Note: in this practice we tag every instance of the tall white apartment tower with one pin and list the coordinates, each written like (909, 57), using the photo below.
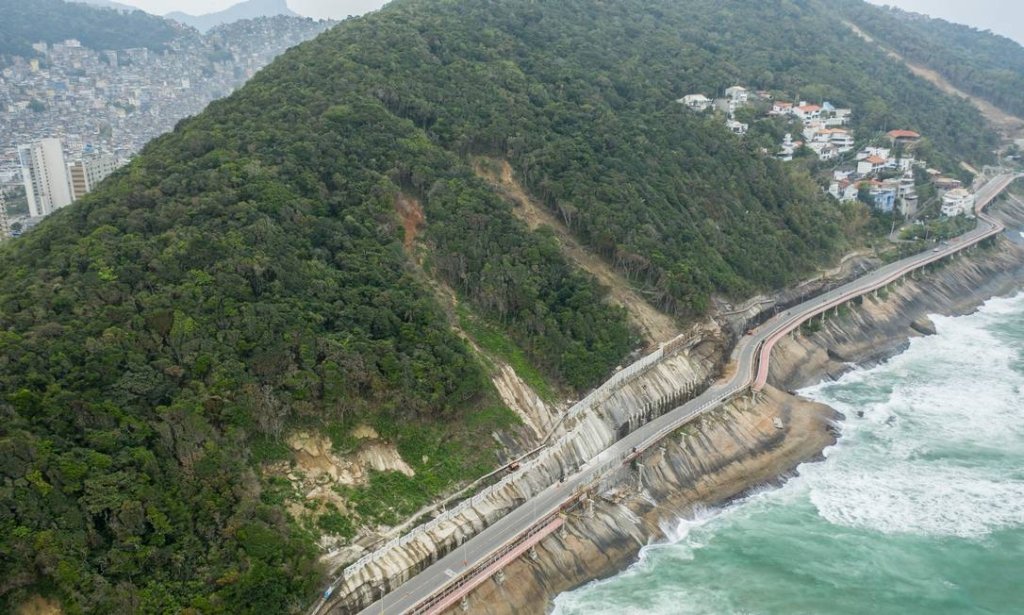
(46, 176)
(5, 224)
(86, 173)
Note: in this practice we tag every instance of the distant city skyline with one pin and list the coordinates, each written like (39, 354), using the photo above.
(1004, 17)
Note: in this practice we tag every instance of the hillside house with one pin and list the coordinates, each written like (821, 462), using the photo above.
(695, 102)
(789, 147)
(738, 93)
(958, 201)
(903, 137)
(737, 128)
(844, 190)
(946, 183)
(839, 117)
(872, 164)
(825, 150)
(807, 112)
(883, 197)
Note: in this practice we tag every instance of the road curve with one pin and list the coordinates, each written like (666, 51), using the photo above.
(751, 357)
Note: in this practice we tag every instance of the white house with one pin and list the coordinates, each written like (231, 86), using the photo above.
(838, 117)
(696, 102)
(871, 164)
(825, 150)
(781, 108)
(738, 128)
(905, 164)
(842, 139)
(789, 147)
(881, 152)
(807, 112)
(844, 190)
(958, 201)
(738, 93)
(907, 194)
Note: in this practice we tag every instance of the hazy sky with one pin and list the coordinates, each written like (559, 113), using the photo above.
(310, 8)
(1004, 17)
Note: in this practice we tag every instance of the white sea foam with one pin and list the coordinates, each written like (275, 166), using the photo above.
(932, 446)
(910, 464)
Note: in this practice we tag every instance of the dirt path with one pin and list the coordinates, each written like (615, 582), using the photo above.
(1010, 126)
(656, 326)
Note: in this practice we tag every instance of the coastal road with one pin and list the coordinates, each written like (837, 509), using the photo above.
(750, 358)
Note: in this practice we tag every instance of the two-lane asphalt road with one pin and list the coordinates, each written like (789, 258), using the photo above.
(750, 358)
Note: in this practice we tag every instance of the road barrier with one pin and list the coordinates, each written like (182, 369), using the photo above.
(639, 367)
(598, 395)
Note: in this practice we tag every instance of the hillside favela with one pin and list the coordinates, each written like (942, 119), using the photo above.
(568, 307)
(101, 105)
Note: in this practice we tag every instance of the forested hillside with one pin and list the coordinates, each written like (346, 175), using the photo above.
(980, 63)
(248, 275)
(23, 23)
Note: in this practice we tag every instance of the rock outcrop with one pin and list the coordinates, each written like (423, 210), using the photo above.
(746, 444)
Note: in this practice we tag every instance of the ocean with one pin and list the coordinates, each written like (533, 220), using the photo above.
(919, 508)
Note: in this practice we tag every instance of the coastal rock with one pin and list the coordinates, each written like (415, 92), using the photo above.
(711, 461)
(723, 455)
(924, 326)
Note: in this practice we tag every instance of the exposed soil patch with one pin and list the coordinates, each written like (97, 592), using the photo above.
(410, 211)
(37, 605)
(316, 469)
(656, 326)
(1010, 126)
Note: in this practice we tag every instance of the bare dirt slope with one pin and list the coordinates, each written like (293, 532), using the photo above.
(1010, 126)
(655, 325)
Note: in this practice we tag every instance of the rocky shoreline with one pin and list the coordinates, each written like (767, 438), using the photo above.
(748, 443)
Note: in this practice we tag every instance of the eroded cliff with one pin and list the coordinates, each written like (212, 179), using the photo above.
(749, 443)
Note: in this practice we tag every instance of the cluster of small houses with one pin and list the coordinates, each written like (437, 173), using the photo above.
(888, 179)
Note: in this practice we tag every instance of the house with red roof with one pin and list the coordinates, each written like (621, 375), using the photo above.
(903, 137)
(807, 112)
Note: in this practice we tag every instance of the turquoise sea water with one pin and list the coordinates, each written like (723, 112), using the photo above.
(918, 509)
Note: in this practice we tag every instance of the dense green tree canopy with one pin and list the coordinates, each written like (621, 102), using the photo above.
(980, 63)
(248, 274)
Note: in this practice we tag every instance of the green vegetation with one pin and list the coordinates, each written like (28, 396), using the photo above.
(246, 275)
(939, 229)
(96, 28)
(492, 340)
(336, 523)
(980, 63)
(438, 455)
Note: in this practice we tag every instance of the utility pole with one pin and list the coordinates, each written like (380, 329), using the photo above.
(5, 223)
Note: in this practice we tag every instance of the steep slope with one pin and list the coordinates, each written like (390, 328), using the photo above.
(246, 278)
(980, 63)
(250, 9)
(96, 28)
(1009, 126)
(109, 4)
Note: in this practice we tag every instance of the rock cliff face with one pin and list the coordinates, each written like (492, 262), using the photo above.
(576, 441)
(746, 443)
(710, 461)
(882, 326)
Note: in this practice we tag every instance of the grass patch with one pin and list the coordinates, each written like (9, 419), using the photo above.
(812, 326)
(493, 417)
(492, 340)
(938, 229)
(335, 523)
(268, 450)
